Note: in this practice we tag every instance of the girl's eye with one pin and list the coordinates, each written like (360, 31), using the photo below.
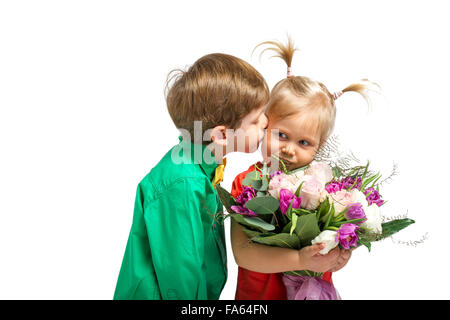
(304, 142)
(282, 135)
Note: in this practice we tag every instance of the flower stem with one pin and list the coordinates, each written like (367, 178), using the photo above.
(330, 215)
(338, 223)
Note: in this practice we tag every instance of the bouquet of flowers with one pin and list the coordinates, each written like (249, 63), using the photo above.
(313, 204)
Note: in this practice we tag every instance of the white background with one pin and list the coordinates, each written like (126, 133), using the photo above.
(83, 120)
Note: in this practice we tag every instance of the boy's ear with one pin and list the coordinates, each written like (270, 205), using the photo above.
(219, 135)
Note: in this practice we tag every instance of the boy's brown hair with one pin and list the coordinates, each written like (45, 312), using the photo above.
(218, 89)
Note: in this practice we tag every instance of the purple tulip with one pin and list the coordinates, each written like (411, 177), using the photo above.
(273, 174)
(286, 197)
(355, 211)
(374, 197)
(247, 194)
(333, 187)
(244, 211)
(346, 235)
(349, 181)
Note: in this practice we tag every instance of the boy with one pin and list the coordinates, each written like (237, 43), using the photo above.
(176, 247)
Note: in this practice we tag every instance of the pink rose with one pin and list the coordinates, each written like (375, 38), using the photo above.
(341, 199)
(312, 192)
(320, 170)
(281, 181)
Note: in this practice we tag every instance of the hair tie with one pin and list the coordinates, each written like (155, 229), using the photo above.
(289, 72)
(337, 94)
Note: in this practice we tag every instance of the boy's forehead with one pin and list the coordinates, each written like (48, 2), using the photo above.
(255, 112)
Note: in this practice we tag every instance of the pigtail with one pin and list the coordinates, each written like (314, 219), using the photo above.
(282, 51)
(363, 87)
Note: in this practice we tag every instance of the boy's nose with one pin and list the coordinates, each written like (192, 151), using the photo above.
(265, 121)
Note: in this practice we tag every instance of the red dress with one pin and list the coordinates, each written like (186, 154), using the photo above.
(253, 285)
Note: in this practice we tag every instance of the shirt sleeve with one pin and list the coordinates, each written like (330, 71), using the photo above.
(136, 278)
(176, 236)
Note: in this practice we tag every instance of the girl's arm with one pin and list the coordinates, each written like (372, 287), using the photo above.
(266, 259)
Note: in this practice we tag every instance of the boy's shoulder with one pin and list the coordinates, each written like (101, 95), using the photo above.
(169, 172)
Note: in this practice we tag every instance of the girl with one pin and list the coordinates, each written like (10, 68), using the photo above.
(301, 113)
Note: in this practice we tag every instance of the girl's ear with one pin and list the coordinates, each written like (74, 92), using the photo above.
(219, 135)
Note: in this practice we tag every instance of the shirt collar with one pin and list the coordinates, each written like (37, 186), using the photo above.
(201, 155)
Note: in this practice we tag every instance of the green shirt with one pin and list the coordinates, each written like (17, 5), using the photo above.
(176, 247)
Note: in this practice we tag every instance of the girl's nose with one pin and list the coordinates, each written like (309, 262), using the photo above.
(287, 150)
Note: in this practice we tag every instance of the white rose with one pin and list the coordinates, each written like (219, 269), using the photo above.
(359, 197)
(374, 220)
(320, 170)
(328, 238)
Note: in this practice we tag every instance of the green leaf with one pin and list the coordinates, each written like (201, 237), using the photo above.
(374, 183)
(289, 211)
(362, 178)
(365, 170)
(287, 227)
(307, 273)
(330, 216)
(298, 169)
(264, 185)
(364, 242)
(368, 180)
(265, 170)
(259, 223)
(307, 229)
(339, 223)
(262, 205)
(294, 223)
(283, 240)
(253, 222)
(255, 184)
(355, 171)
(337, 173)
(253, 179)
(297, 192)
(226, 198)
(388, 229)
(394, 226)
(251, 233)
(301, 211)
(323, 208)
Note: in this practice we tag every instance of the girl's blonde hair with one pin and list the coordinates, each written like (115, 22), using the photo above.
(302, 95)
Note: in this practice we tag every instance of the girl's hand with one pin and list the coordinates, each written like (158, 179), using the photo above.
(342, 260)
(311, 259)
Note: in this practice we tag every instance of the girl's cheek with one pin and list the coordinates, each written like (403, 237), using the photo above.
(274, 145)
